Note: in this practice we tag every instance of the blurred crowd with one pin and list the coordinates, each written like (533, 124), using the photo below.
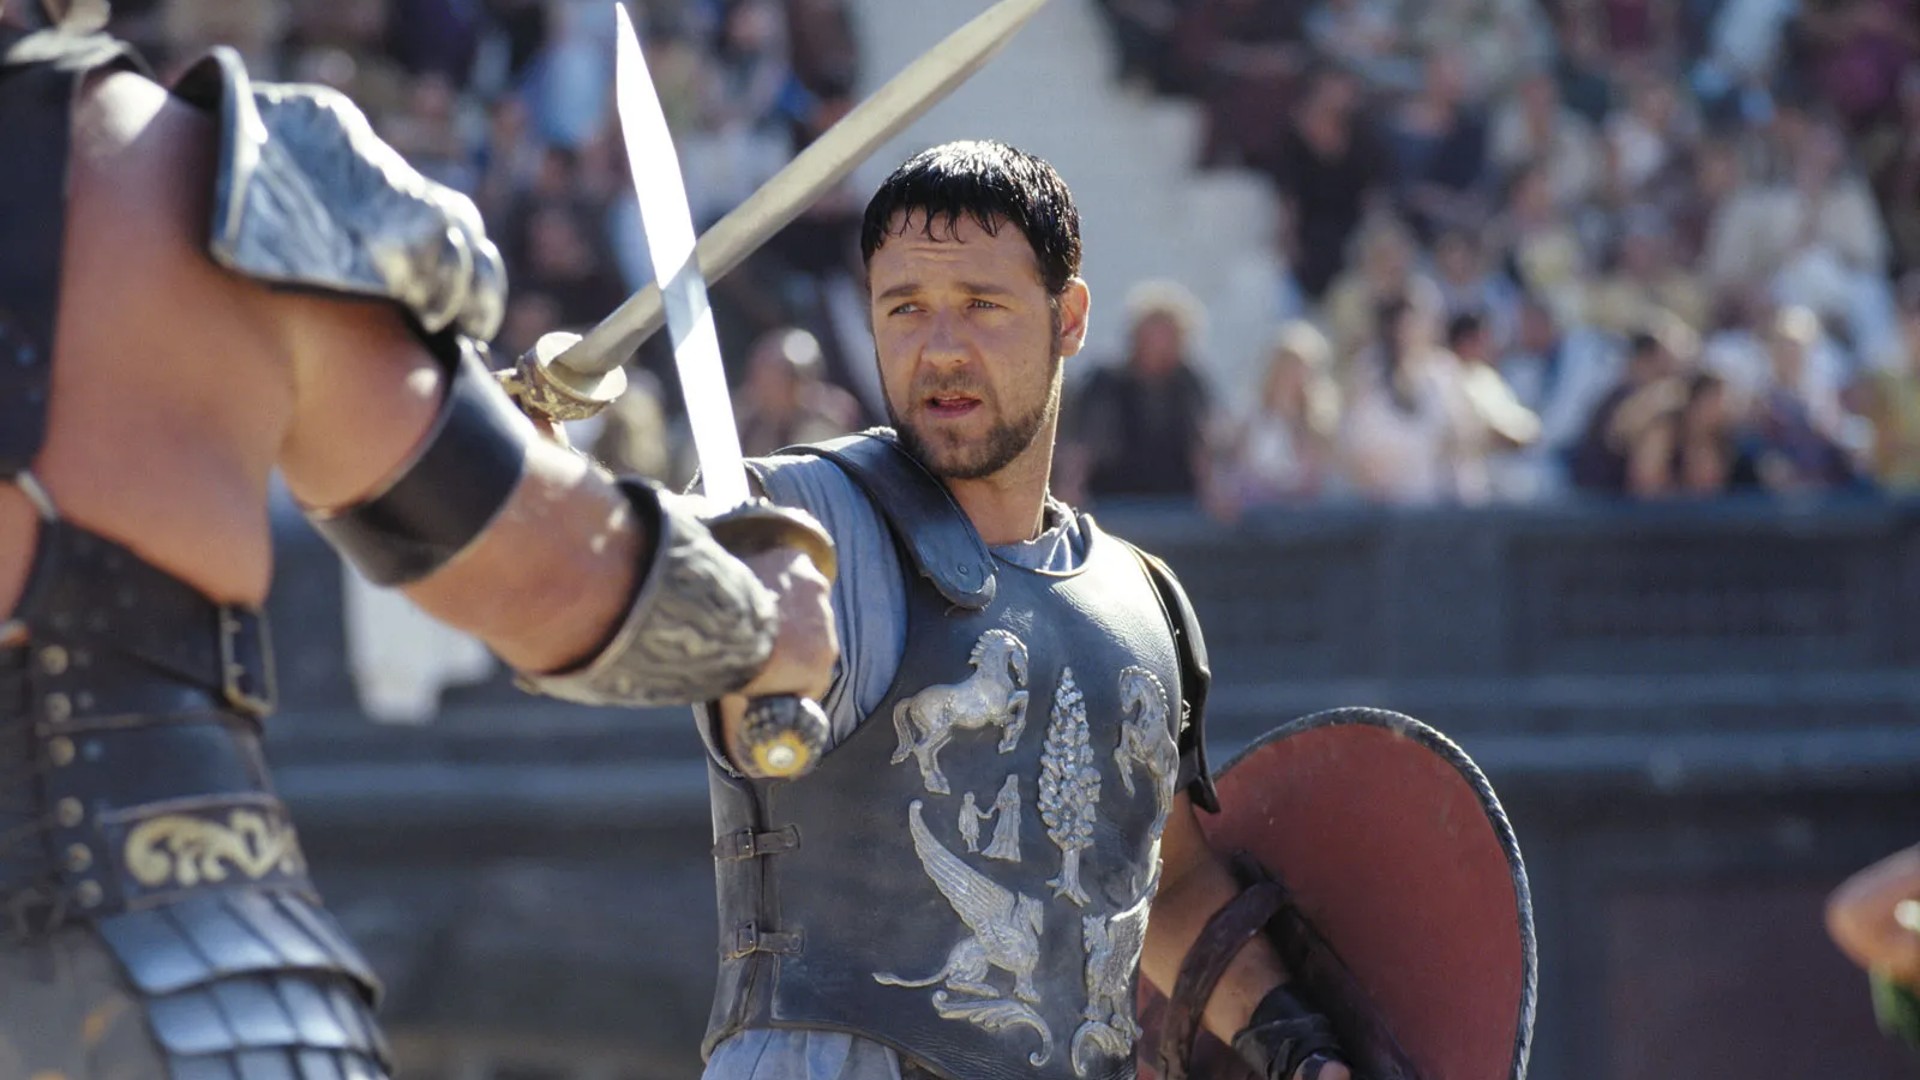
(1631, 248)
(510, 101)
(1536, 249)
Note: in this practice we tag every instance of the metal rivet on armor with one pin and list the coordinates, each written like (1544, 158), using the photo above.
(70, 812)
(53, 660)
(89, 894)
(85, 700)
(97, 622)
(26, 354)
(125, 598)
(59, 707)
(60, 751)
(92, 750)
(79, 858)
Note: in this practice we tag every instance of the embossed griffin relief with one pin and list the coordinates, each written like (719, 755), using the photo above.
(995, 694)
(1006, 930)
(1069, 786)
(1144, 738)
(182, 851)
(1113, 945)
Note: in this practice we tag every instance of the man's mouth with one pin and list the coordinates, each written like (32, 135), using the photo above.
(949, 406)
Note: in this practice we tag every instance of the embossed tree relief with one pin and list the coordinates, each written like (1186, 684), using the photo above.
(1069, 786)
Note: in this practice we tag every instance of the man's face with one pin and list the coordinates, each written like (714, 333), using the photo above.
(969, 346)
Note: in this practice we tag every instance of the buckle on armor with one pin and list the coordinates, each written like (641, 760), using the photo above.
(748, 939)
(745, 844)
(246, 662)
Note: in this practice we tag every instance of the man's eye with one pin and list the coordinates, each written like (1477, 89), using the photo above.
(905, 309)
(985, 304)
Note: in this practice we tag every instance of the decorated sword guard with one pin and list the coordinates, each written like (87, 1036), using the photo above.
(555, 393)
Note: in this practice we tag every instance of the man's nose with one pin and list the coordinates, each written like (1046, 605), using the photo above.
(946, 345)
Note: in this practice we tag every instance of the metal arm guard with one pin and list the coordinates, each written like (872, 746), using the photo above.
(456, 484)
(701, 625)
(307, 196)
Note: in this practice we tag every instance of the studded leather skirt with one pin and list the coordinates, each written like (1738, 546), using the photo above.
(136, 806)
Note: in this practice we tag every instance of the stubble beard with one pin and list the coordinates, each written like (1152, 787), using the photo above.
(1004, 442)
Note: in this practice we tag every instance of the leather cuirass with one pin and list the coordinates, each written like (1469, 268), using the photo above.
(967, 876)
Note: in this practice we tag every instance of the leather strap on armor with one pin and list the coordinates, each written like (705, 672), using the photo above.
(700, 626)
(459, 479)
(1238, 922)
(930, 526)
(1196, 676)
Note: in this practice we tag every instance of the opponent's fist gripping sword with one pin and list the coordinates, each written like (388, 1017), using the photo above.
(568, 377)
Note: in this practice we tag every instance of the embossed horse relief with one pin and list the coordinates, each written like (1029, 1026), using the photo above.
(995, 694)
(1005, 935)
(1145, 739)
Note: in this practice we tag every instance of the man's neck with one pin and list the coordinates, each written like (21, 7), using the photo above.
(1008, 507)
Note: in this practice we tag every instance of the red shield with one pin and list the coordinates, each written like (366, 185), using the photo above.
(1395, 849)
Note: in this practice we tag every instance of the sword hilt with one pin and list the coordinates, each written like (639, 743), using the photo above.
(781, 736)
(553, 392)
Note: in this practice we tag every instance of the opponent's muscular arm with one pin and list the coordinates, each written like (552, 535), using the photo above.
(1194, 884)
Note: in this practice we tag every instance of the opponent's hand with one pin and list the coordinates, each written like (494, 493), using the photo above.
(806, 647)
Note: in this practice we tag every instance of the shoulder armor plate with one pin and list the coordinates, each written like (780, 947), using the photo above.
(308, 196)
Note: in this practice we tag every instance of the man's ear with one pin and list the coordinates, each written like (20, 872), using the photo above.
(1076, 308)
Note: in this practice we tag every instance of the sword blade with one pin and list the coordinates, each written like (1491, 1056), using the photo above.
(815, 170)
(669, 228)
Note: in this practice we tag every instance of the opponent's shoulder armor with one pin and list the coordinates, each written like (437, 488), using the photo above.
(308, 196)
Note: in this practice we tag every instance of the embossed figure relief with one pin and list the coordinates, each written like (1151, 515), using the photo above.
(994, 694)
(1113, 945)
(1006, 827)
(1144, 738)
(1005, 930)
(1069, 786)
(970, 818)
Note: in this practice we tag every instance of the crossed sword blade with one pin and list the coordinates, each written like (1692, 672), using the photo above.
(567, 377)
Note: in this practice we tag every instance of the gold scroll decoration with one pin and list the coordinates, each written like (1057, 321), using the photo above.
(181, 851)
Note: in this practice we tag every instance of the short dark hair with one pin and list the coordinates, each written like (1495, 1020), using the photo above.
(1462, 326)
(993, 184)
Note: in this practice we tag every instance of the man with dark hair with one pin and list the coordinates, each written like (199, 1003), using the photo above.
(997, 644)
(200, 285)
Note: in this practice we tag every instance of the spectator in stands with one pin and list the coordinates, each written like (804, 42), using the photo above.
(1860, 49)
(1540, 247)
(1140, 428)
(1240, 58)
(563, 261)
(1561, 372)
(1496, 40)
(1800, 446)
(1282, 451)
(428, 134)
(1329, 169)
(1690, 448)
(1648, 389)
(1409, 437)
(1500, 425)
(785, 398)
(1644, 281)
(1532, 129)
(1892, 403)
(1580, 65)
(1820, 229)
(1363, 36)
(1439, 143)
(1385, 268)
(1651, 133)
(1891, 154)
(1468, 285)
